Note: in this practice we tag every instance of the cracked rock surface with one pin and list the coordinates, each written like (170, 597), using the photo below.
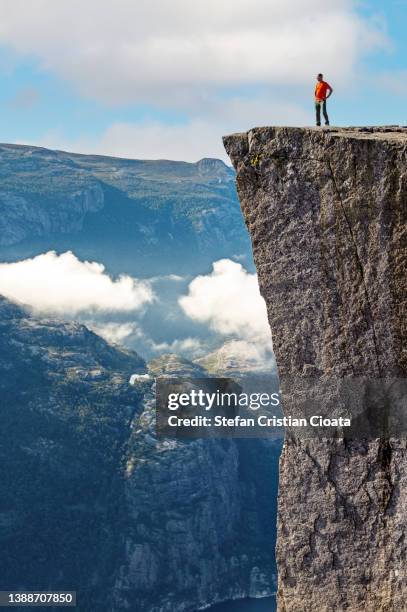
(326, 211)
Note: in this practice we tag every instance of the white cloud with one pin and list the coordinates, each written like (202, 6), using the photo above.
(135, 377)
(112, 331)
(229, 301)
(199, 136)
(190, 141)
(171, 52)
(176, 278)
(64, 284)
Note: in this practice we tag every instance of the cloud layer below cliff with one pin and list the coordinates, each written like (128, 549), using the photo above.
(64, 284)
(223, 305)
(229, 301)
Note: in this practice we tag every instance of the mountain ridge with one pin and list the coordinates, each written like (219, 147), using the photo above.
(117, 210)
(39, 148)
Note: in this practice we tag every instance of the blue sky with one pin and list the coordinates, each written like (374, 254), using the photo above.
(140, 80)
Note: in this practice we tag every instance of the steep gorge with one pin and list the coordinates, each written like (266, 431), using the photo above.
(92, 501)
(326, 211)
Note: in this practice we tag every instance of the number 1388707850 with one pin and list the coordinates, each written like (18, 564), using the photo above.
(37, 598)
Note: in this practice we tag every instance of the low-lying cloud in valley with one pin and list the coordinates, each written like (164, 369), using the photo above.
(113, 332)
(222, 306)
(63, 284)
(229, 301)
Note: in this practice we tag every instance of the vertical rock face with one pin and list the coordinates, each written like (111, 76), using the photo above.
(326, 211)
(197, 511)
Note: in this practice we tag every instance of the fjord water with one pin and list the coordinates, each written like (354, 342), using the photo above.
(268, 604)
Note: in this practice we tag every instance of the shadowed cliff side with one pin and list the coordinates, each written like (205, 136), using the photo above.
(92, 500)
(326, 211)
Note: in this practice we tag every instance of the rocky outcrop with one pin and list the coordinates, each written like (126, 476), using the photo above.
(326, 211)
(171, 364)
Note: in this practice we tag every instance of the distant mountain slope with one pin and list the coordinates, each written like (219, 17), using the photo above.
(135, 216)
(65, 410)
(92, 501)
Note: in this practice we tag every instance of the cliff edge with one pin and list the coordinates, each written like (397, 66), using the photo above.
(326, 211)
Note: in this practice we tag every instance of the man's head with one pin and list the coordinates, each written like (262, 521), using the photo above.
(320, 77)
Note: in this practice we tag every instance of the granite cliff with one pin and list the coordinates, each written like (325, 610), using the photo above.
(326, 211)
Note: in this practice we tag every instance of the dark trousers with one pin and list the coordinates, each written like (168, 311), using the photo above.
(318, 105)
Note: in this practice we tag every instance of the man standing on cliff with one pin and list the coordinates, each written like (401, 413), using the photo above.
(322, 92)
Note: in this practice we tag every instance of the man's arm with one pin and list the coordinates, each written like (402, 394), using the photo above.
(330, 90)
